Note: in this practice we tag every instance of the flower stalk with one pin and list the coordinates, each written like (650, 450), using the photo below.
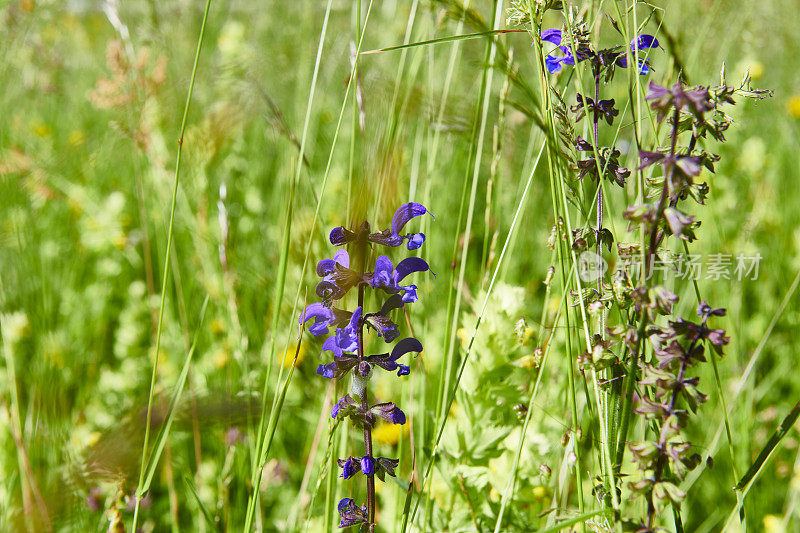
(347, 343)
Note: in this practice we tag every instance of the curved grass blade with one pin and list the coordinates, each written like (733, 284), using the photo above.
(752, 473)
(580, 519)
(440, 40)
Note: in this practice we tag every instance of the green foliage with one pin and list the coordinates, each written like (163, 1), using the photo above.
(91, 109)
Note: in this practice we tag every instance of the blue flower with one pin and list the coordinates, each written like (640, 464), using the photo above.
(389, 361)
(337, 277)
(324, 317)
(554, 63)
(345, 339)
(388, 237)
(327, 370)
(367, 465)
(641, 42)
(389, 412)
(350, 513)
(552, 35)
(388, 278)
(350, 467)
(346, 403)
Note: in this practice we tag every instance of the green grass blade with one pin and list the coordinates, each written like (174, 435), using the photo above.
(440, 40)
(580, 519)
(753, 472)
(159, 329)
(163, 434)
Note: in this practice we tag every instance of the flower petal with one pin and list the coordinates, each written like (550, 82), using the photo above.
(409, 344)
(344, 503)
(326, 267)
(382, 277)
(415, 240)
(409, 265)
(644, 41)
(342, 257)
(327, 371)
(340, 236)
(322, 316)
(405, 213)
(552, 35)
(367, 465)
(552, 63)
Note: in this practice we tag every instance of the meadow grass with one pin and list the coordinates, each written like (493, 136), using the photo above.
(155, 257)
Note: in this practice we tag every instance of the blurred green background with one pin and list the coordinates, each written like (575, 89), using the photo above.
(92, 99)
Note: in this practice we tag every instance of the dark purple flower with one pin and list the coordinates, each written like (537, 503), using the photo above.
(704, 309)
(644, 41)
(344, 404)
(644, 64)
(388, 237)
(340, 366)
(337, 277)
(641, 42)
(350, 467)
(389, 412)
(368, 465)
(389, 361)
(388, 278)
(345, 339)
(697, 101)
(385, 466)
(324, 317)
(351, 514)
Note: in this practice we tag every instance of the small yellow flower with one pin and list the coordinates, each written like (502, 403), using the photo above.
(76, 138)
(221, 358)
(288, 356)
(772, 524)
(756, 69)
(541, 493)
(389, 433)
(217, 326)
(40, 129)
(793, 106)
